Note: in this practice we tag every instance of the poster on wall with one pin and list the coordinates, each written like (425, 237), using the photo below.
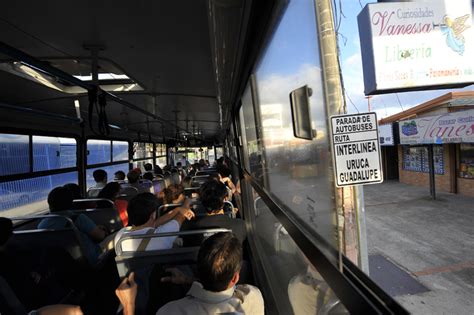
(457, 127)
(416, 45)
(386, 135)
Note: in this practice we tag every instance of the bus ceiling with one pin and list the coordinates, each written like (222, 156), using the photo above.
(172, 69)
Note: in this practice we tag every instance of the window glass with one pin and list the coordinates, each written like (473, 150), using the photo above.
(416, 159)
(295, 170)
(160, 154)
(110, 172)
(119, 151)
(98, 151)
(466, 160)
(142, 150)
(219, 152)
(14, 158)
(28, 196)
(211, 156)
(301, 288)
(141, 164)
(51, 153)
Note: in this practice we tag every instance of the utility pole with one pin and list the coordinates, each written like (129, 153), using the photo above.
(368, 97)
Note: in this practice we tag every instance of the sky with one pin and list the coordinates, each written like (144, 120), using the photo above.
(351, 64)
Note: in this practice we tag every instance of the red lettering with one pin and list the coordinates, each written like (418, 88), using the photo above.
(471, 131)
(392, 29)
(378, 17)
(432, 131)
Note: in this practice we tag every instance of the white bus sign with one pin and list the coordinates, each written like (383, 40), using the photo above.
(356, 149)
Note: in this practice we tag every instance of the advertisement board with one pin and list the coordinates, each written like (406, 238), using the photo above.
(457, 127)
(416, 45)
(386, 135)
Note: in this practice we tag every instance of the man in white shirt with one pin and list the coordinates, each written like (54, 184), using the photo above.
(100, 177)
(143, 219)
(217, 292)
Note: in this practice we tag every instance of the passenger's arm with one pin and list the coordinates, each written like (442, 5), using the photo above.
(126, 293)
(96, 232)
(60, 309)
(179, 214)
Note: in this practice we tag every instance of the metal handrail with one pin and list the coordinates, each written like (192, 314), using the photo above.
(118, 247)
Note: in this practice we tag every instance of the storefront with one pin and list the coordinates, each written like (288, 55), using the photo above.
(447, 125)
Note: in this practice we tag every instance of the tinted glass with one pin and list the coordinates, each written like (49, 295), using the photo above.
(98, 151)
(142, 150)
(14, 157)
(301, 288)
(119, 151)
(110, 172)
(28, 196)
(295, 170)
(51, 153)
(466, 160)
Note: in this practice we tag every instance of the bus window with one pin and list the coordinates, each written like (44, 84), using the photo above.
(302, 289)
(28, 196)
(296, 170)
(111, 169)
(53, 153)
(98, 151)
(119, 151)
(14, 154)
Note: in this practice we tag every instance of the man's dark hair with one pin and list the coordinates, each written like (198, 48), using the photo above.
(173, 192)
(141, 207)
(179, 164)
(212, 195)
(148, 167)
(133, 177)
(148, 176)
(219, 258)
(120, 175)
(6, 230)
(75, 190)
(158, 170)
(60, 199)
(223, 170)
(99, 175)
(109, 191)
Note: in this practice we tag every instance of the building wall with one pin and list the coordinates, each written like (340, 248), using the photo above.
(443, 182)
(466, 186)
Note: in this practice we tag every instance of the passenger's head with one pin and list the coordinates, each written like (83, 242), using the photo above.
(223, 170)
(60, 199)
(119, 175)
(138, 170)
(219, 261)
(158, 170)
(110, 191)
(202, 163)
(148, 176)
(133, 177)
(220, 161)
(212, 195)
(100, 176)
(75, 190)
(174, 194)
(6, 230)
(142, 209)
(179, 164)
(148, 167)
(187, 181)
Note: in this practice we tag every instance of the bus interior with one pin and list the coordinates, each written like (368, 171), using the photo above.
(116, 85)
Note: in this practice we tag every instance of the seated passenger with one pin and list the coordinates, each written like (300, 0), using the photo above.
(224, 176)
(218, 267)
(100, 177)
(75, 190)
(142, 216)
(212, 196)
(111, 191)
(60, 202)
(133, 181)
(119, 176)
(148, 176)
(187, 182)
(174, 194)
(157, 170)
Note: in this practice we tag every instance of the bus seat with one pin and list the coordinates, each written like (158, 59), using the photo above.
(79, 204)
(68, 238)
(206, 172)
(108, 217)
(145, 183)
(191, 192)
(9, 303)
(128, 192)
(197, 181)
(229, 209)
(158, 185)
(128, 261)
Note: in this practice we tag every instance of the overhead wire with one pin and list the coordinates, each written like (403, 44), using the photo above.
(399, 103)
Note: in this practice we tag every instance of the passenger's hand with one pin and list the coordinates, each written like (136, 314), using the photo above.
(176, 276)
(187, 203)
(187, 213)
(60, 309)
(126, 293)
